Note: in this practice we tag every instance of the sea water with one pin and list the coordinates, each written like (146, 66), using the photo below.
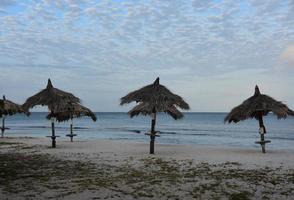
(194, 128)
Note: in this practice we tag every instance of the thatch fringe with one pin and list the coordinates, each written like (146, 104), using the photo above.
(155, 97)
(252, 106)
(52, 97)
(73, 110)
(10, 108)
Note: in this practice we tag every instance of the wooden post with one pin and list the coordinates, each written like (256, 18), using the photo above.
(3, 127)
(152, 134)
(3, 120)
(53, 133)
(71, 130)
(262, 132)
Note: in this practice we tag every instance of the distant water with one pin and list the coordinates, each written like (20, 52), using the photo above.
(194, 128)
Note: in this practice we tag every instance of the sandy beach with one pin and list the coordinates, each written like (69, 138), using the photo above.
(147, 100)
(105, 169)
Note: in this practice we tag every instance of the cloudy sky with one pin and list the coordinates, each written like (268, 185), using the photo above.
(211, 52)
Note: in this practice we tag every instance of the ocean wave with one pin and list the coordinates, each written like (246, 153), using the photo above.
(212, 130)
(280, 138)
(135, 131)
(45, 127)
(81, 128)
(240, 133)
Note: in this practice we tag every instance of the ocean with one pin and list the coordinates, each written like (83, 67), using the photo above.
(194, 128)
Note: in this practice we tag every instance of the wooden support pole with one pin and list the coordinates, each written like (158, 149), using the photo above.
(71, 130)
(262, 132)
(53, 134)
(3, 121)
(152, 134)
(3, 127)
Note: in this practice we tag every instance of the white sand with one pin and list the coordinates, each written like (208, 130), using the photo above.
(250, 157)
(122, 153)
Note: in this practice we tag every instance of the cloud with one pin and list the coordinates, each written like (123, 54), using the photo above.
(105, 43)
(287, 56)
(6, 3)
(202, 5)
(2, 11)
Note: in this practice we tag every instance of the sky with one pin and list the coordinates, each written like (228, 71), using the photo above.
(210, 52)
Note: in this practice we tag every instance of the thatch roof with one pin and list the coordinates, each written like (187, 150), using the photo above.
(9, 108)
(155, 97)
(72, 110)
(252, 107)
(52, 97)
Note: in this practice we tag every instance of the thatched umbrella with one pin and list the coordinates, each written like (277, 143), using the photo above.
(8, 108)
(72, 110)
(152, 99)
(54, 99)
(256, 107)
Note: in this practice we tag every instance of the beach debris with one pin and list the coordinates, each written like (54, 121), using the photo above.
(70, 111)
(56, 100)
(257, 106)
(9, 108)
(152, 99)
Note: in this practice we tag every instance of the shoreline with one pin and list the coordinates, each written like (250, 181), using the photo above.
(199, 153)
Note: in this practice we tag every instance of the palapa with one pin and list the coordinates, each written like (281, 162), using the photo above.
(51, 97)
(152, 99)
(72, 110)
(9, 108)
(256, 107)
(56, 100)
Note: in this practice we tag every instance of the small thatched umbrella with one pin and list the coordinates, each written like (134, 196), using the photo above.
(152, 99)
(72, 110)
(54, 99)
(8, 108)
(256, 107)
